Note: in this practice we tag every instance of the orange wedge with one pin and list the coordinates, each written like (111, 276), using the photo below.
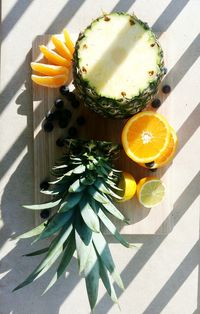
(145, 136)
(50, 81)
(61, 48)
(54, 57)
(49, 69)
(68, 41)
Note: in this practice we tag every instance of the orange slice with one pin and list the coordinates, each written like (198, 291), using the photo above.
(50, 81)
(168, 153)
(68, 41)
(54, 57)
(61, 48)
(49, 69)
(145, 136)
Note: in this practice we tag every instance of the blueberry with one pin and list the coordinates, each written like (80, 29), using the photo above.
(44, 185)
(149, 164)
(156, 103)
(63, 123)
(64, 90)
(60, 142)
(73, 100)
(164, 71)
(72, 132)
(153, 170)
(66, 114)
(166, 89)
(48, 126)
(57, 114)
(50, 116)
(59, 103)
(44, 214)
(80, 120)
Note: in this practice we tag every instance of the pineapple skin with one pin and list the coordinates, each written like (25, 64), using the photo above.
(108, 107)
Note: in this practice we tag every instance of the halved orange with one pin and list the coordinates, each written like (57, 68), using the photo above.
(68, 41)
(49, 69)
(50, 81)
(54, 57)
(145, 136)
(61, 47)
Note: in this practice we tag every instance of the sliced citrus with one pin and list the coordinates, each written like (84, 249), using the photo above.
(68, 41)
(54, 57)
(128, 187)
(61, 48)
(49, 69)
(50, 81)
(145, 136)
(150, 191)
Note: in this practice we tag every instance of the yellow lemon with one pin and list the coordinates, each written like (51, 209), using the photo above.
(128, 186)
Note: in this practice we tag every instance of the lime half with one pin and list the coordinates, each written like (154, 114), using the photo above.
(150, 192)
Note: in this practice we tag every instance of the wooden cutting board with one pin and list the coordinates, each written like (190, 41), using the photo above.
(142, 221)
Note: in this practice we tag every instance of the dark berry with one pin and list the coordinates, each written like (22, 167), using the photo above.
(57, 114)
(164, 71)
(149, 164)
(60, 142)
(71, 96)
(156, 103)
(73, 100)
(166, 89)
(44, 185)
(64, 90)
(44, 214)
(63, 123)
(72, 132)
(80, 120)
(59, 103)
(75, 103)
(66, 114)
(153, 170)
(50, 116)
(48, 126)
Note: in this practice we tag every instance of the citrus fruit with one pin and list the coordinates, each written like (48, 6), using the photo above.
(54, 57)
(50, 81)
(68, 41)
(128, 186)
(49, 69)
(145, 136)
(168, 153)
(150, 191)
(61, 47)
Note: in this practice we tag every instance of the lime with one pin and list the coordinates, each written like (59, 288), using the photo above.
(128, 186)
(150, 191)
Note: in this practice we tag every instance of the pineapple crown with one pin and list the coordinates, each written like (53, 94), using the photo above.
(83, 193)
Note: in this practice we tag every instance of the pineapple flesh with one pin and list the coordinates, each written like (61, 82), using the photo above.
(86, 184)
(118, 64)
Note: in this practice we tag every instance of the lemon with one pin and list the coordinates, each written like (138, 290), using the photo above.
(150, 191)
(128, 186)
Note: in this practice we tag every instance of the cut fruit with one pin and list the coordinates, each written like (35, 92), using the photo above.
(168, 153)
(54, 57)
(50, 81)
(69, 42)
(150, 191)
(128, 186)
(61, 48)
(49, 69)
(145, 136)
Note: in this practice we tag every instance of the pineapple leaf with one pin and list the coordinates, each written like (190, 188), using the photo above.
(80, 169)
(54, 251)
(89, 216)
(92, 277)
(110, 207)
(43, 206)
(66, 258)
(105, 277)
(33, 232)
(111, 227)
(76, 187)
(102, 188)
(38, 252)
(83, 236)
(70, 202)
(59, 220)
(106, 257)
(97, 196)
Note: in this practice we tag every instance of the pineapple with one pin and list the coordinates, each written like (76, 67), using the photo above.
(85, 186)
(118, 65)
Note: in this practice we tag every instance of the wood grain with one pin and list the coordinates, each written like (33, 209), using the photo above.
(142, 221)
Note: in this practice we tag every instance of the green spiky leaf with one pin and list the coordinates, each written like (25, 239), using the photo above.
(89, 216)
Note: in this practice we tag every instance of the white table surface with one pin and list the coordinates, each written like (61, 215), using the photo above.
(162, 274)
